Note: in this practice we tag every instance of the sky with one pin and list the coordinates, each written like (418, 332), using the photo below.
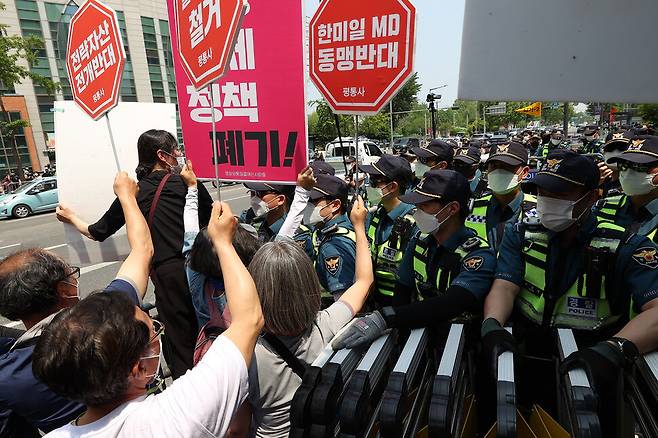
(438, 44)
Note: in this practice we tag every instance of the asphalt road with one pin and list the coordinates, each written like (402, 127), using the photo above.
(45, 231)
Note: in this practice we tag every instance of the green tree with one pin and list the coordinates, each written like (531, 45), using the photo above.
(649, 113)
(322, 124)
(15, 52)
(405, 99)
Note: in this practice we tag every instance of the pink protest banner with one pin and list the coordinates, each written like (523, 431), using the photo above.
(259, 105)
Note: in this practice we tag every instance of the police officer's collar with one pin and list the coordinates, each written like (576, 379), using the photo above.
(514, 205)
(458, 238)
(276, 226)
(340, 220)
(400, 210)
(652, 207)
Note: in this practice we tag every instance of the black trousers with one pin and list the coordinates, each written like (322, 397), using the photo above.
(176, 312)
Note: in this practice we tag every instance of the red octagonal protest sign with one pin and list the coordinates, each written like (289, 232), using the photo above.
(206, 36)
(95, 58)
(361, 52)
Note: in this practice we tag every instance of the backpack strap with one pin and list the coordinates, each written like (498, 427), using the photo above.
(156, 198)
(297, 366)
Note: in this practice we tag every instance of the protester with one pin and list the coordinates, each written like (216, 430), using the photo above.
(105, 351)
(294, 326)
(204, 276)
(161, 199)
(35, 286)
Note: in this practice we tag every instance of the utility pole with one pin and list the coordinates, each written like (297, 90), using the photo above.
(565, 119)
(390, 107)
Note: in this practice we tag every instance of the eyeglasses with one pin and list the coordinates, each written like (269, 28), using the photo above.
(75, 273)
(158, 329)
(644, 168)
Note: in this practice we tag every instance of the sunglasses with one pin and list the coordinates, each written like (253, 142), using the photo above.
(645, 168)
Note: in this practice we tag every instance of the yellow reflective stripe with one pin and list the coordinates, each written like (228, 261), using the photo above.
(480, 228)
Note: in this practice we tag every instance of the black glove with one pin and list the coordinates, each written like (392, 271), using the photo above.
(495, 341)
(601, 363)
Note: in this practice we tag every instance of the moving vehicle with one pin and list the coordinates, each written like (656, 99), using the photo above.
(34, 196)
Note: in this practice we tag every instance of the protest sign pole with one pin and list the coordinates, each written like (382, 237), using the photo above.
(114, 148)
(356, 143)
(214, 143)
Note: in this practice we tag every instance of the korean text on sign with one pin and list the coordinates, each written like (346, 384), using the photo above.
(92, 57)
(202, 19)
(346, 51)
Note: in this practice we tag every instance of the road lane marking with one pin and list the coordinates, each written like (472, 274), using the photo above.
(236, 198)
(88, 269)
(50, 248)
(10, 246)
(36, 216)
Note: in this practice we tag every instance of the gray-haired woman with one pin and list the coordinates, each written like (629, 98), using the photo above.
(289, 291)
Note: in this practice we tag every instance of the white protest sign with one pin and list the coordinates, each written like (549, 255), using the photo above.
(86, 167)
(559, 50)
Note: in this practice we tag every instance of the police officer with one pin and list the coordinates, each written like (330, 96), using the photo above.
(591, 140)
(637, 209)
(446, 268)
(322, 167)
(332, 241)
(269, 205)
(534, 144)
(615, 144)
(507, 166)
(467, 162)
(390, 224)
(570, 271)
(437, 155)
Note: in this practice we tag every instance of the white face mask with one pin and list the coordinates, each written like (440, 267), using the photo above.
(608, 155)
(636, 183)
(77, 291)
(589, 137)
(557, 214)
(375, 195)
(556, 141)
(428, 223)
(312, 214)
(159, 356)
(421, 169)
(484, 158)
(502, 181)
(260, 207)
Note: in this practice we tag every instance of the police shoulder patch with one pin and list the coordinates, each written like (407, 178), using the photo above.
(646, 256)
(473, 263)
(332, 264)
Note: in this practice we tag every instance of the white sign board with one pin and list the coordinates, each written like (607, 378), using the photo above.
(560, 50)
(86, 167)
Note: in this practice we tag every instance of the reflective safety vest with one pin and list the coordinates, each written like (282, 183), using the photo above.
(544, 151)
(609, 207)
(448, 265)
(318, 237)
(477, 220)
(586, 305)
(388, 255)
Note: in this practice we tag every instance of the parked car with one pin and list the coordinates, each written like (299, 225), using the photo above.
(34, 196)
(404, 144)
(369, 153)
